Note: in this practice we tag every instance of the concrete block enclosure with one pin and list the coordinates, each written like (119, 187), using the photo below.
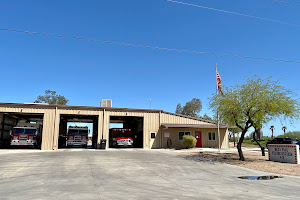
(151, 128)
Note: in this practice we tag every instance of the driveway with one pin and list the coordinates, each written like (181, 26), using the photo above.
(130, 174)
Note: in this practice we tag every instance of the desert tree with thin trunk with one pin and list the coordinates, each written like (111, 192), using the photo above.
(254, 103)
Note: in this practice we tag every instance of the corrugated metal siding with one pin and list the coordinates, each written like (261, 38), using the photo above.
(100, 127)
(79, 112)
(174, 119)
(105, 122)
(48, 130)
(223, 136)
(22, 110)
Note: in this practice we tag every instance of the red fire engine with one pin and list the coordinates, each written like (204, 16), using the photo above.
(77, 136)
(120, 137)
(26, 134)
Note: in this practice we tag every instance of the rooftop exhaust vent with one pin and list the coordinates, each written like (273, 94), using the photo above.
(106, 103)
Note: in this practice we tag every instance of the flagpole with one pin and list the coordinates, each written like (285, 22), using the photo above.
(217, 91)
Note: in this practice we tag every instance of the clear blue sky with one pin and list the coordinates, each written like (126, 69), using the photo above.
(86, 72)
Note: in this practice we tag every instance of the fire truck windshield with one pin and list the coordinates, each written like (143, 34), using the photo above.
(77, 132)
(24, 131)
(123, 135)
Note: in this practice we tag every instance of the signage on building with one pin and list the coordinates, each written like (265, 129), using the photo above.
(167, 134)
(288, 153)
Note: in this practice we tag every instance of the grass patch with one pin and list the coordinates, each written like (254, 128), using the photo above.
(253, 143)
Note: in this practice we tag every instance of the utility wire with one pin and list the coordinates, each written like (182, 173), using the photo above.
(150, 47)
(235, 13)
(286, 2)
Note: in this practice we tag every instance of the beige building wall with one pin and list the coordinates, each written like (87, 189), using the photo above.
(176, 143)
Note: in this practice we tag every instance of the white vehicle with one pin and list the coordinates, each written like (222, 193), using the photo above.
(26, 134)
(77, 136)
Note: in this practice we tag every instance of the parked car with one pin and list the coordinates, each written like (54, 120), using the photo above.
(297, 142)
(285, 140)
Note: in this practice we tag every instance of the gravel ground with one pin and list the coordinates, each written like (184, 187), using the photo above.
(252, 161)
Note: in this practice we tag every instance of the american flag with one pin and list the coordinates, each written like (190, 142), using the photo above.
(219, 83)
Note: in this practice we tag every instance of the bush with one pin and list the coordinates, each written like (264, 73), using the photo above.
(252, 142)
(189, 141)
(295, 135)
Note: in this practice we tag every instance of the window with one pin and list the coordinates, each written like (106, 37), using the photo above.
(211, 136)
(152, 135)
(182, 133)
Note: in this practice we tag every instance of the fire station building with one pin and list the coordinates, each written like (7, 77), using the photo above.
(150, 128)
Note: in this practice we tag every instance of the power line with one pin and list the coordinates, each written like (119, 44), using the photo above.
(286, 2)
(235, 13)
(150, 47)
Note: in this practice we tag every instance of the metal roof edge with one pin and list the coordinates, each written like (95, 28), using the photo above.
(169, 125)
(34, 105)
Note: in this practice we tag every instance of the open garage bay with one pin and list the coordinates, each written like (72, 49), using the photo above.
(130, 174)
(21, 130)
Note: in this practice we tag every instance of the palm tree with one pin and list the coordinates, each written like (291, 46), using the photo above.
(284, 128)
(272, 129)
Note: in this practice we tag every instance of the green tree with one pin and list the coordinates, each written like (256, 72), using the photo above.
(253, 103)
(295, 135)
(178, 109)
(51, 97)
(206, 117)
(191, 108)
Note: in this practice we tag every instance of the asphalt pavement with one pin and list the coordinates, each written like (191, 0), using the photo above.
(130, 174)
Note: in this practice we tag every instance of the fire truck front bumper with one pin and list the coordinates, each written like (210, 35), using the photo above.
(124, 143)
(23, 142)
(77, 143)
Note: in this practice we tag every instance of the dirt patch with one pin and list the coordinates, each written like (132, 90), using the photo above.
(252, 161)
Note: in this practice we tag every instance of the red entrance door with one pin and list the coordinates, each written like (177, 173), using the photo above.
(198, 137)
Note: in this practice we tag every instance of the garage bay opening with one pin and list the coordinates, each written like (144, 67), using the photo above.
(21, 130)
(126, 132)
(78, 131)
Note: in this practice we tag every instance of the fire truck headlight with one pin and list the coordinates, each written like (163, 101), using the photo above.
(30, 137)
(15, 137)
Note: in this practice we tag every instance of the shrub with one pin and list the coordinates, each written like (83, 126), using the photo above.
(295, 135)
(189, 141)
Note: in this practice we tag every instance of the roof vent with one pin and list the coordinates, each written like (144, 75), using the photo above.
(106, 103)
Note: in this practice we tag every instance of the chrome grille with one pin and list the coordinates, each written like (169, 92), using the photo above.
(23, 137)
(77, 138)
